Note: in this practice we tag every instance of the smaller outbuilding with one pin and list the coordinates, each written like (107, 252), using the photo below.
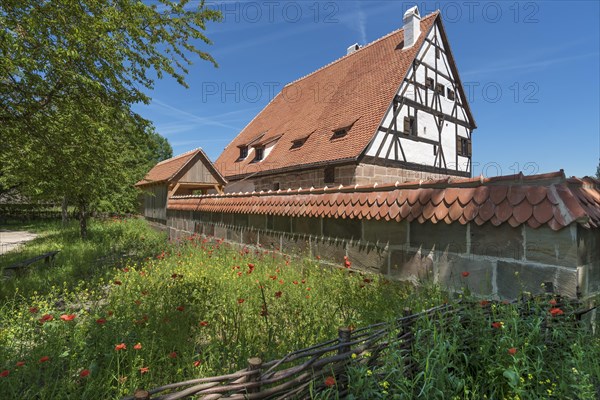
(186, 174)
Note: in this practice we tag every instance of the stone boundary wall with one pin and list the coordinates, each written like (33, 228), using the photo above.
(502, 261)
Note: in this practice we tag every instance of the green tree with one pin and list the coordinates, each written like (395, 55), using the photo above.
(598, 170)
(69, 72)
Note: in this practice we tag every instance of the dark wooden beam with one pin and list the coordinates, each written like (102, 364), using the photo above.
(433, 111)
(403, 135)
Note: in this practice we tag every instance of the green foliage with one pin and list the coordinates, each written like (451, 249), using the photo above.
(598, 170)
(69, 73)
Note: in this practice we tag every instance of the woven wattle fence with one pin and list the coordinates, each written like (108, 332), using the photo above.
(302, 373)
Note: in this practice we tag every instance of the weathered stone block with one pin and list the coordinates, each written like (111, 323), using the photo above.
(552, 247)
(382, 232)
(258, 221)
(250, 236)
(282, 224)
(220, 232)
(368, 257)
(296, 244)
(234, 234)
(502, 241)
(514, 278)
(588, 243)
(342, 228)
(451, 268)
(330, 250)
(411, 265)
(306, 225)
(441, 236)
(270, 240)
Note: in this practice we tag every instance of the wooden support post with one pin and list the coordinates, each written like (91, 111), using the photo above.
(141, 394)
(344, 335)
(254, 364)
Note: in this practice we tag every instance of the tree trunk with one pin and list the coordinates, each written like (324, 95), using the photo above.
(82, 220)
(65, 213)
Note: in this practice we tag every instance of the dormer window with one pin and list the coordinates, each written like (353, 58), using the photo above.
(243, 152)
(339, 133)
(296, 144)
(259, 154)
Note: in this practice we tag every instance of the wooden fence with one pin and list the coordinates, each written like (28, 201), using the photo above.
(305, 371)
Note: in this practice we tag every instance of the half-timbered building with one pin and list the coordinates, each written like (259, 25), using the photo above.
(393, 110)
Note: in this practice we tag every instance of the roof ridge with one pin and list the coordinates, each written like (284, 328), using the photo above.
(179, 156)
(435, 13)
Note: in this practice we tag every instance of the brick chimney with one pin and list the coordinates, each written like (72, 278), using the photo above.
(412, 26)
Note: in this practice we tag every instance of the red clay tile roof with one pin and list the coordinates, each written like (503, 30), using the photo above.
(355, 89)
(546, 199)
(166, 170)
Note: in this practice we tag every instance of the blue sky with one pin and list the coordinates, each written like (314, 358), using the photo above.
(532, 70)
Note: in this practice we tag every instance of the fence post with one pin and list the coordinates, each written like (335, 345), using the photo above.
(254, 364)
(141, 394)
(407, 329)
(344, 334)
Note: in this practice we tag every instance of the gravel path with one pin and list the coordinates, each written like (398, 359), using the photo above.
(10, 240)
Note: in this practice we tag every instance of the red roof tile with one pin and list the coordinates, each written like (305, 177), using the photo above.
(517, 200)
(166, 170)
(355, 91)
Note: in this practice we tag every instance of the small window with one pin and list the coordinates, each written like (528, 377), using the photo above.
(339, 133)
(463, 146)
(296, 144)
(276, 186)
(450, 94)
(440, 89)
(329, 175)
(429, 83)
(243, 152)
(437, 52)
(260, 153)
(410, 126)
(435, 150)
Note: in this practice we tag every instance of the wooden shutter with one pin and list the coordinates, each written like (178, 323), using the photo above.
(458, 146)
(407, 125)
(469, 148)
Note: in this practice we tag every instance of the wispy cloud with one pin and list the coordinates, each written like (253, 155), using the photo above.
(361, 22)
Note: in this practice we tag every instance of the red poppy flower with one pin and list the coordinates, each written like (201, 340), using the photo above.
(137, 302)
(318, 257)
(497, 325)
(118, 282)
(307, 288)
(512, 351)
(197, 363)
(125, 269)
(555, 312)
(84, 373)
(174, 276)
(46, 318)
(295, 282)
(101, 321)
(33, 310)
(144, 293)
(366, 280)
(44, 359)
(484, 303)
(330, 381)
(250, 265)
(20, 363)
(121, 346)
(173, 354)
(180, 308)
(347, 264)
(278, 294)
(281, 282)
(4, 373)
(67, 317)
(240, 301)
(137, 346)
(465, 274)
(144, 370)
(553, 302)
(203, 323)
(303, 281)
(109, 313)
